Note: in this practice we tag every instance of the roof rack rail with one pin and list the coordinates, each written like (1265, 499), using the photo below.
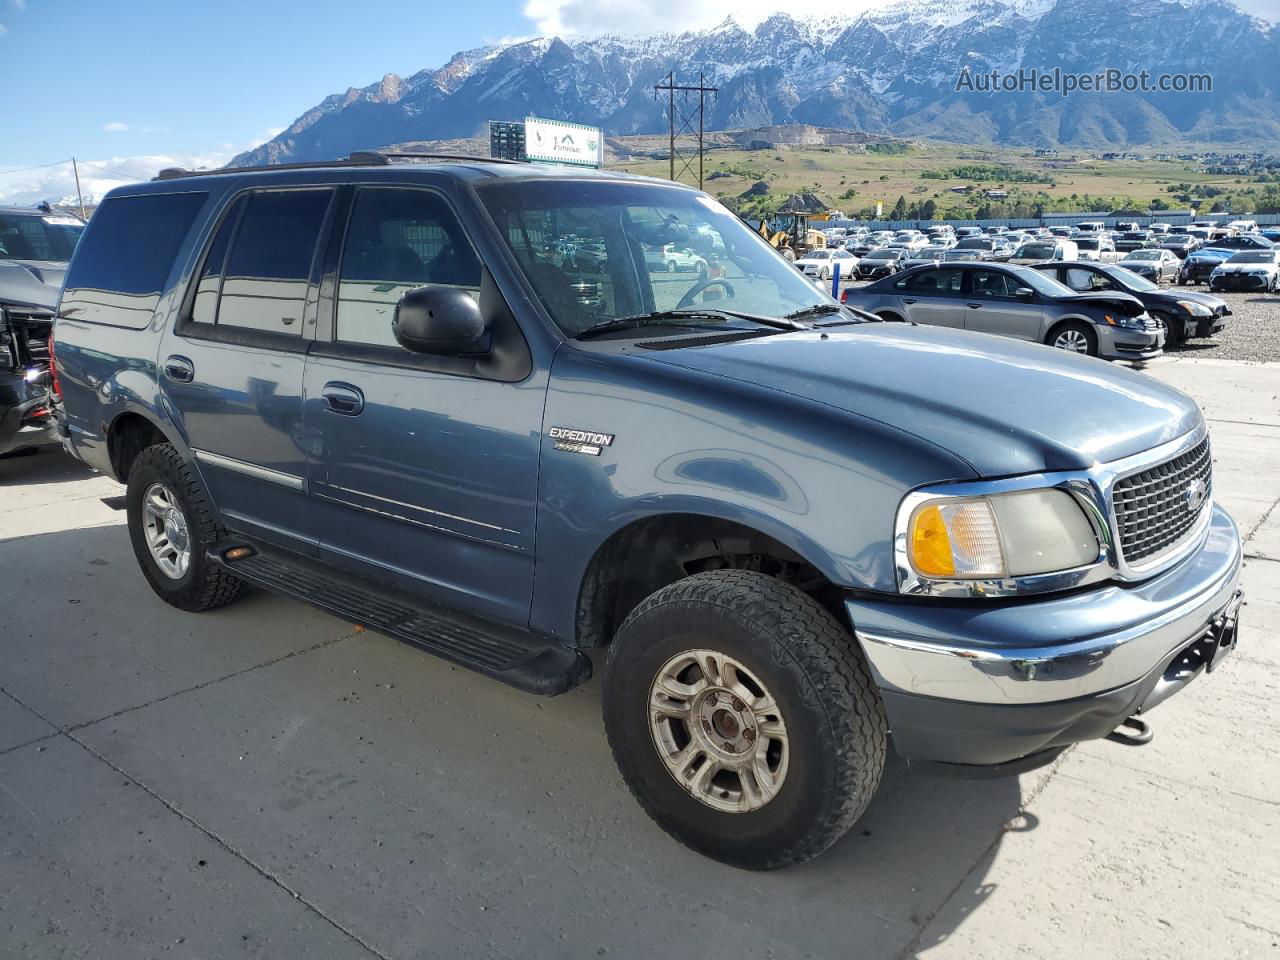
(175, 173)
(361, 158)
(379, 156)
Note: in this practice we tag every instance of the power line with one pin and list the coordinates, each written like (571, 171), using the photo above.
(38, 166)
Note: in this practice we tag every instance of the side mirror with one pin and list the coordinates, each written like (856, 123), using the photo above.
(440, 320)
(1024, 293)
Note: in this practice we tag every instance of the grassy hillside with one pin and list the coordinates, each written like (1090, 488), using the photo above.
(921, 173)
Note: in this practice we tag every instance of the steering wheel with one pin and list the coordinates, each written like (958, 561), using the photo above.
(697, 288)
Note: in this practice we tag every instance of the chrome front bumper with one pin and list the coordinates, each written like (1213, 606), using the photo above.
(1050, 649)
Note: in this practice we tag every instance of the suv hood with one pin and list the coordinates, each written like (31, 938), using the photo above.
(1005, 406)
(31, 283)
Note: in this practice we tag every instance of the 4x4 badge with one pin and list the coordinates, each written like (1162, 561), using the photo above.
(580, 441)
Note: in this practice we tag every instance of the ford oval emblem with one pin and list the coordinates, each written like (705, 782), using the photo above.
(1197, 491)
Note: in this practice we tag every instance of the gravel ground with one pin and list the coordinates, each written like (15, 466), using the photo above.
(1252, 332)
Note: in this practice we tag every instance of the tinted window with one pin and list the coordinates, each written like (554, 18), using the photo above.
(942, 283)
(269, 266)
(988, 283)
(204, 308)
(397, 240)
(119, 271)
(38, 237)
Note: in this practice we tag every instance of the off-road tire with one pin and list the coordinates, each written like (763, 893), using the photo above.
(205, 585)
(836, 727)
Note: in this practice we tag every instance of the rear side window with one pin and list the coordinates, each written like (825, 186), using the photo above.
(264, 284)
(120, 267)
(204, 308)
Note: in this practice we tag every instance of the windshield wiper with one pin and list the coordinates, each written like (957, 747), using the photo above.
(660, 317)
(817, 310)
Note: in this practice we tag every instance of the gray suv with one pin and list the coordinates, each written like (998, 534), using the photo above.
(798, 536)
(35, 245)
(1016, 301)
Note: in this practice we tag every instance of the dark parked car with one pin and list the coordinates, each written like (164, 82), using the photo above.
(881, 262)
(1134, 240)
(1185, 314)
(1016, 301)
(1199, 265)
(1180, 244)
(35, 245)
(376, 386)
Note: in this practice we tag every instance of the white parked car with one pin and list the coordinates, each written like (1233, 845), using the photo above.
(1051, 248)
(675, 259)
(1154, 263)
(821, 263)
(1256, 270)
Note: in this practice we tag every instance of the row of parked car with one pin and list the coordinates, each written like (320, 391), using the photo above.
(1238, 257)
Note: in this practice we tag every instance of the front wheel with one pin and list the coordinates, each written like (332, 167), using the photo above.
(1074, 336)
(743, 718)
(171, 524)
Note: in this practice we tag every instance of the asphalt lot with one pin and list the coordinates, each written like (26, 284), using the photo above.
(265, 780)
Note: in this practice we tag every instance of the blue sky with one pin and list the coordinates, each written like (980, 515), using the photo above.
(195, 78)
(129, 86)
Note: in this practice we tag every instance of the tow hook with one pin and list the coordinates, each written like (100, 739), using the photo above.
(1132, 732)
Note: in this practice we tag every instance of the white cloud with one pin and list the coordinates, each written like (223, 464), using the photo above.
(99, 176)
(565, 17)
(18, 4)
(115, 126)
(3, 29)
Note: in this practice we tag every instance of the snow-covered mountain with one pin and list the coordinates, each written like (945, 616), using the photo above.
(893, 70)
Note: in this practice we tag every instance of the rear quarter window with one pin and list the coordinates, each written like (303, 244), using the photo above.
(123, 261)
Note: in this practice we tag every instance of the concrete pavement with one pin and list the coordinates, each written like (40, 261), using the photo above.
(265, 780)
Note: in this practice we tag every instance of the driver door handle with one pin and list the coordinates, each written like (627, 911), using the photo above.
(179, 369)
(343, 398)
(908, 300)
(974, 306)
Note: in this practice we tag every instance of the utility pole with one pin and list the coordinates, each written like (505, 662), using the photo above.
(79, 196)
(680, 121)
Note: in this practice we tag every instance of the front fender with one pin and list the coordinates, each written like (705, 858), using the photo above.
(823, 482)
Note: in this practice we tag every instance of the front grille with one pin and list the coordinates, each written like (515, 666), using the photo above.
(1154, 510)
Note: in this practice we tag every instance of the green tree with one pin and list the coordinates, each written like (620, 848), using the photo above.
(899, 209)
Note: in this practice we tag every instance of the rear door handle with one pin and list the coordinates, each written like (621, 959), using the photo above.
(343, 398)
(179, 369)
(907, 300)
(974, 306)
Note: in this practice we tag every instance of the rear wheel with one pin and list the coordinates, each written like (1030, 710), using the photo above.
(171, 525)
(743, 718)
(1074, 336)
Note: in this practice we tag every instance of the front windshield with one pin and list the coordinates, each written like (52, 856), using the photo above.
(1131, 281)
(726, 265)
(26, 236)
(884, 253)
(1144, 255)
(1253, 256)
(1084, 244)
(817, 255)
(1042, 283)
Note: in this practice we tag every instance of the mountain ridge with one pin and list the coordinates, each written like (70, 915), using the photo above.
(891, 71)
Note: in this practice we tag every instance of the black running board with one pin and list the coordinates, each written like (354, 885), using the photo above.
(518, 658)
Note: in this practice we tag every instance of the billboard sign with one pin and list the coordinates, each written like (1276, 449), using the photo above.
(553, 141)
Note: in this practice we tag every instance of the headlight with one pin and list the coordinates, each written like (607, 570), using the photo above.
(1195, 309)
(1005, 535)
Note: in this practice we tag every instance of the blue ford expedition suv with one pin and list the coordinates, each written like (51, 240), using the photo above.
(395, 389)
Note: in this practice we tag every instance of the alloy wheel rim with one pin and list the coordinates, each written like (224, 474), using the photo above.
(718, 731)
(1072, 340)
(165, 530)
